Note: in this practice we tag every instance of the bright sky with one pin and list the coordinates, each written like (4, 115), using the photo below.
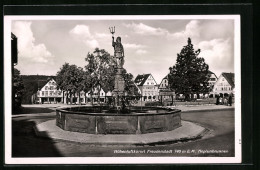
(151, 46)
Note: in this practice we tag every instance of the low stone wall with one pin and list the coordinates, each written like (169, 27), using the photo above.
(160, 120)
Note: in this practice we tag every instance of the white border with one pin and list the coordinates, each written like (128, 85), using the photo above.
(119, 160)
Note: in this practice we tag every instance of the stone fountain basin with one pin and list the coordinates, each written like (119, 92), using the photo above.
(102, 120)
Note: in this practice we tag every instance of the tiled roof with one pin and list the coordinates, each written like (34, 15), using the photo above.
(140, 79)
(230, 77)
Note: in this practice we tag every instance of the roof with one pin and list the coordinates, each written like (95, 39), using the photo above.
(105, 88)
(36, 80)
(166, 77)
(230, 77)
(210, 72)
(140, 79)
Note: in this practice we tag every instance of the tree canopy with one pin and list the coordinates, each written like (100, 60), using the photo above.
(190, 73)
(18, 88)
(100, 72)
(70, 78)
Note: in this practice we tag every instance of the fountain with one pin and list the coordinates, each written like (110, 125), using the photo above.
(120, 119)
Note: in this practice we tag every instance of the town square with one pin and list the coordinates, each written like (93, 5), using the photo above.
(132, 87)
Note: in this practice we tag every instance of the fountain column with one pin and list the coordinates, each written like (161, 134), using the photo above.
(119, 87)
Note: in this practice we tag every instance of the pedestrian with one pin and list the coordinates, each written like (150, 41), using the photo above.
(220, 100)
(217, 102)
(230, 99)
(225, 101)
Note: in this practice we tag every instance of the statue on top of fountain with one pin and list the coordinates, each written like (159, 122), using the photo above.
(118, 52)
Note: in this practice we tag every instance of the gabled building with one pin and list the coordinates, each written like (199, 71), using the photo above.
(49, 93)
(148, 87)
(166, 95)
(212, 79)
(225, 84)
(85, 97)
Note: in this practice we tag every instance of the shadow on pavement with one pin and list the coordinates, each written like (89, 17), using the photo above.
(32, 110)
(26, 144)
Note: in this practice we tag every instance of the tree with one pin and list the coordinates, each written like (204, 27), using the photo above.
(60, 77)
(18, 88)
(69, 79)
(99, 71)
(190, 73)
(130, 87)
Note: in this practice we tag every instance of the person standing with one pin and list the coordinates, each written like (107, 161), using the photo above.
(217, 102)
(230, 99)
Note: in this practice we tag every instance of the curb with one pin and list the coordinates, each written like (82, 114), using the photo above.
(126, 143)
(202, 110)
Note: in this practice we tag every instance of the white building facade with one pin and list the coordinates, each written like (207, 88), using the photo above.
(225, 84)
(148, 87)
(49, 93)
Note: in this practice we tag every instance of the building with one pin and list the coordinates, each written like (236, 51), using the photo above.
(102, 95)
(166, 95)
(48, 93)
(148, 87)
(225, 84)
(85, 97)
(212, 79)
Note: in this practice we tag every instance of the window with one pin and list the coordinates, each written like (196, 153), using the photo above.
(51, 87)
(101, 94)
(46, 93)
(42, 93)
(148, 83)
(38, 93)
(51, 93)
(46, 87)
(59, 92)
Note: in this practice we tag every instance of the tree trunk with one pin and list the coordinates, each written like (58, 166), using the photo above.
(63, 96)
(85, 98)
(79, 99)
(71, 98)
(99, 89)
(91, 97)
(67, 97)
(198, 96)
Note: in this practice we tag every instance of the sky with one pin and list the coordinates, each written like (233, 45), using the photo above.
(150, 46)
